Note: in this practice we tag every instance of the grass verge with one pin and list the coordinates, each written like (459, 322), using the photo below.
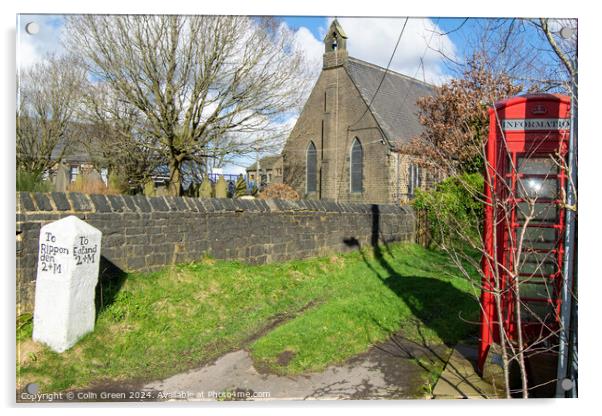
(328, 310)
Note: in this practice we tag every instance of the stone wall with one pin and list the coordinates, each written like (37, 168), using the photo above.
(399, 178)
(146, 234)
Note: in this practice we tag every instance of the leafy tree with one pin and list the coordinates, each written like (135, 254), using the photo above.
(456, 121)
(453, 204)
(31, 182)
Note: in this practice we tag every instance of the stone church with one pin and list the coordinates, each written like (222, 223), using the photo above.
(345, 146)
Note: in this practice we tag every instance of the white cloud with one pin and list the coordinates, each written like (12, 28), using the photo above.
(419, 54)
(373, 40)
(370, 39)
(312, 48)
(33, 48)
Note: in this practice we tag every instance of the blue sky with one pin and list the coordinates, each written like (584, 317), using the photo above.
(420, 53)
(458, 28)
(317, 25)
(371, 39)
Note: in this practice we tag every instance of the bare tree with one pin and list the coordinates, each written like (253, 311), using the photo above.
(530, 52)
(48, 96)
(456, 120)
(116, 137)
(195, 80)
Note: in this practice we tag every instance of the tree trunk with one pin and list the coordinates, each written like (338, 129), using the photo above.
(175, 177)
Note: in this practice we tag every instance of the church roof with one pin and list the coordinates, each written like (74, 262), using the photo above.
(77, 152)
(394, 107)
(83, 147)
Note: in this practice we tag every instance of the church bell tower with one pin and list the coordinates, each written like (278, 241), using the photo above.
(335, 46)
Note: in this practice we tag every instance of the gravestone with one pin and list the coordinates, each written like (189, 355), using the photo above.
(62, 178)
(221, 188)
(69, 255)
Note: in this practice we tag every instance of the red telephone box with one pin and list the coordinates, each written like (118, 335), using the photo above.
(526, 181)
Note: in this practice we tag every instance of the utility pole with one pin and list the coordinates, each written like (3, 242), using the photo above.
(257, 169)
(567, 334)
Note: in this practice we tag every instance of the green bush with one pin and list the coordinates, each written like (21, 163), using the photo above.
(240, 188)
(454, 209)
(32, 182)
(118, 183)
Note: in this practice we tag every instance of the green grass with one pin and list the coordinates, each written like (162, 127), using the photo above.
(331, 308)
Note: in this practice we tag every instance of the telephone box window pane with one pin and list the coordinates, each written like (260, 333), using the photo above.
(537, 312)
(531, 278)
(535, 290)
(537, 166)
(536, 257)
(546, 245)
(535, 278)
(536, 235)
(537, 212)
(537, 264)
(537, 188)
(537, 269)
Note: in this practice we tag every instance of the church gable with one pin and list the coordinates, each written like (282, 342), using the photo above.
(339, 148)
(334, 115)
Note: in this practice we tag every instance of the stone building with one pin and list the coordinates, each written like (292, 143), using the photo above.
(270, 170)
(79, 159)
(346, 143)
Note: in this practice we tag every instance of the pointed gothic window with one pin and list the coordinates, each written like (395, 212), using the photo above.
(357, 156)
(414, 179)
(311, 168)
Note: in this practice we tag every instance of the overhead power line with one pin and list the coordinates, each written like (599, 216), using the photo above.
(389, 63)
(426, 48)
(385, 73)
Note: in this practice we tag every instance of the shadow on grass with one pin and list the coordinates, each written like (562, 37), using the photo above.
(110, 281)
(437, 304)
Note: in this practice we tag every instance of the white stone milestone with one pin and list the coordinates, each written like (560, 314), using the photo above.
(69, 256)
